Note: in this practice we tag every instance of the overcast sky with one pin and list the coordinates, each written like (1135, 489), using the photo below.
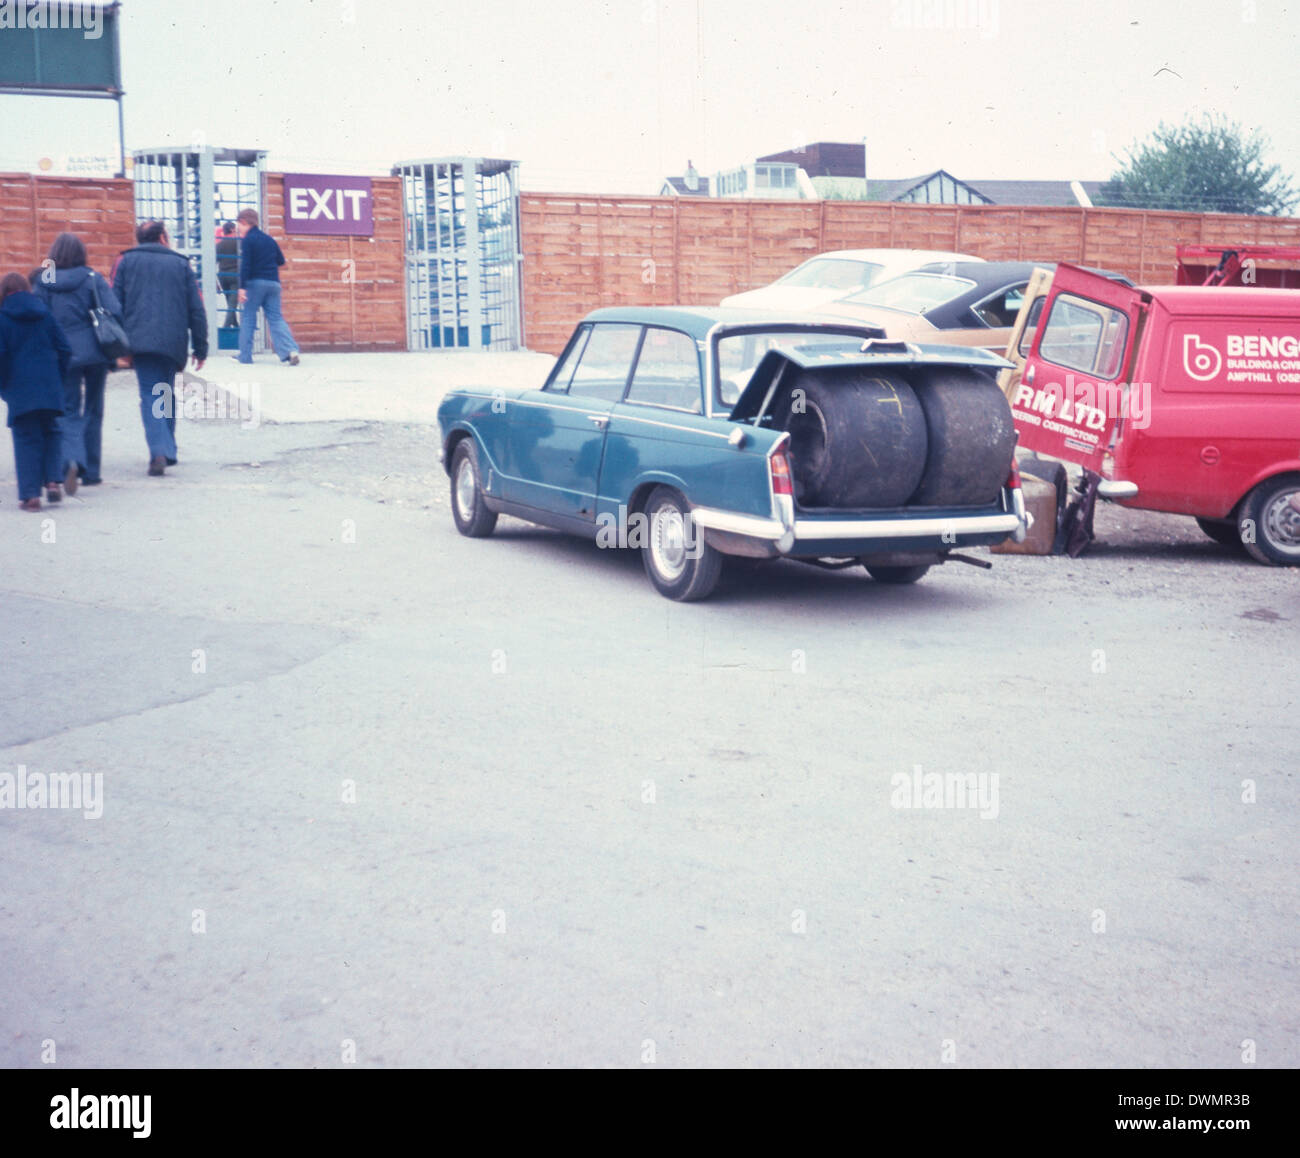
(610, 97)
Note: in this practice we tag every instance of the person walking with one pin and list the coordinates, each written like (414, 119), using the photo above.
(160, 302)
(259, 289)
(228, 271)
(69, 288)
(34, 354)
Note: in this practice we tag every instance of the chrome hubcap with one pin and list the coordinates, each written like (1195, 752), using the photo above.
(1282, 521)
(465, 488)
(668, 542)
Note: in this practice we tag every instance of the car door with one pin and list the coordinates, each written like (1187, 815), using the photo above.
(1071, 393)
(557, 433)
(659, 429)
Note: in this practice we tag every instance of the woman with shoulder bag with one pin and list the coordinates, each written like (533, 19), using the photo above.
(71, 289)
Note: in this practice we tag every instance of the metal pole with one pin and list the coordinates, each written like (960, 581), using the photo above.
(474, 266)
(207, 223)
(121, 140)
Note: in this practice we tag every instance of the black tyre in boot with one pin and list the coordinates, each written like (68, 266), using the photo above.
(857, 439)
(971, 438)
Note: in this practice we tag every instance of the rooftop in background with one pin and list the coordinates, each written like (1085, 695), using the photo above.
(677, 187)
(942, 188)
(825, 158)
(835, 169)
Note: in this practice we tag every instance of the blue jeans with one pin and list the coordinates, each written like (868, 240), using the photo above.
(264, 295)
(38, 452)
(157, 407)
(83, 418)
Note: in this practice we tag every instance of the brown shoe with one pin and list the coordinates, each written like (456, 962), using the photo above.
(157, 464)
(70, 479)
(31, 504)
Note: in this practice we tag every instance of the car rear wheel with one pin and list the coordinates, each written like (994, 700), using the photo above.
(1270, 521)
(467, 506)
(897, 574)
(1222, 531)
(678, 561)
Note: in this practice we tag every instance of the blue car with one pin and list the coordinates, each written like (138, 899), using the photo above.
(691, 433)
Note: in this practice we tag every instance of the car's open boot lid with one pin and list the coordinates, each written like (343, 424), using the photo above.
(875, 354)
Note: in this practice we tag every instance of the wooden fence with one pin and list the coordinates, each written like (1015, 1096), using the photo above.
(583, 251)
(340, 293)
(35, 210)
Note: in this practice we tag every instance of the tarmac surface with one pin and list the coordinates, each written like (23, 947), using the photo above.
(371, 791)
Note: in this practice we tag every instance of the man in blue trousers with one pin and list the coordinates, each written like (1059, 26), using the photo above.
(160, 303)
(259, 289)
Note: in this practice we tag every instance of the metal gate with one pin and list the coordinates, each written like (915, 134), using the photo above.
(193, 192)
(462, 253)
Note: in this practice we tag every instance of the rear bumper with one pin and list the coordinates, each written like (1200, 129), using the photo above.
(860, 535)
(1110, 488)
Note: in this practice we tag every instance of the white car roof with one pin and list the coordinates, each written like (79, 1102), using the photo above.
(890, 256)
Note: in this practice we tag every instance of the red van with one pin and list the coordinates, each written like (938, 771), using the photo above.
(1172, 398)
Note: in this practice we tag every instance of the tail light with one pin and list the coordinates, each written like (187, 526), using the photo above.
(1013, 479)
(779, 466)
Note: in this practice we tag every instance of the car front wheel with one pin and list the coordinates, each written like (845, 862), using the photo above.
(680, 564)
(467, 506)
(1270, 521)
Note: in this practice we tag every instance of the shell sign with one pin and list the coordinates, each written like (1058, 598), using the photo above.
(328, 205)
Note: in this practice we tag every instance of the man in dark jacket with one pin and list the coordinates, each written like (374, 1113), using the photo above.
(160, 300)
(33, 356)
(259, 288)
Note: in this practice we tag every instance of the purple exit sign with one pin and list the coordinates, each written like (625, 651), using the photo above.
(330, 205)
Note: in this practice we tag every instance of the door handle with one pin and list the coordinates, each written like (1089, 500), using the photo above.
(601, 420)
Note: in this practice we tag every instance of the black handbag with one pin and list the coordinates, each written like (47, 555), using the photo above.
(108, 330)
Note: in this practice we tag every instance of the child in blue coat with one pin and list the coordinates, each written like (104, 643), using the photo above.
(33, 357)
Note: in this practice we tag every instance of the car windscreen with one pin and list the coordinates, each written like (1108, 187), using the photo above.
(738, 354)
(914, 293)
(832, 273)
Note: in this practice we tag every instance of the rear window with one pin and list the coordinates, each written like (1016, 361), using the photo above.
(832, 273)
(914, 293)
(738, 354)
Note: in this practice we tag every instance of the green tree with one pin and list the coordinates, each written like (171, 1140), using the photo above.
(1205, 166)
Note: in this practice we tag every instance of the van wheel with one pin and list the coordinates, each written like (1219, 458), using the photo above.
(678, 561)
(1269, 522)
(1222, 531)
